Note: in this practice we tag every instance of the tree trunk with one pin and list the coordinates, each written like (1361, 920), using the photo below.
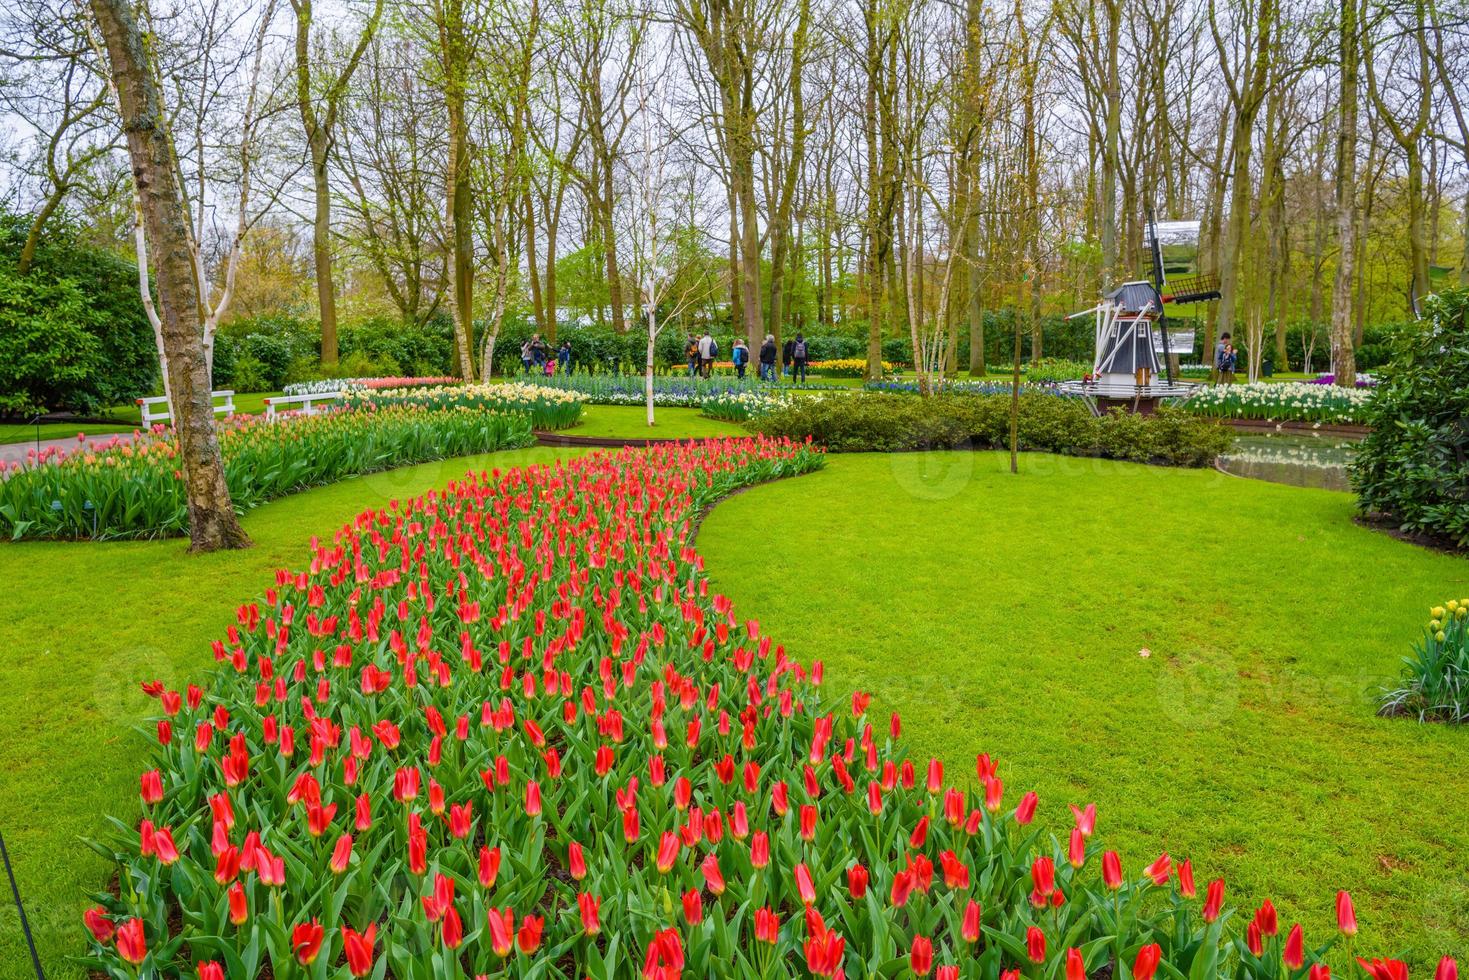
(212, 521)
(1343, 356)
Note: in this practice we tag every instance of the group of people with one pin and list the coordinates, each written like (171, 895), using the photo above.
(701, 353)
(1226, 359)
(536, 356)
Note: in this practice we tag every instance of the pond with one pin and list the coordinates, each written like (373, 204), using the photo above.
(1297, 458)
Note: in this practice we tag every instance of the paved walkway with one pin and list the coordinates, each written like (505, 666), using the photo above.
(19, 452)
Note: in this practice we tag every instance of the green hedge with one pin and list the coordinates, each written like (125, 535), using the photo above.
(870, 422)
(1414, 465)
(73, 334)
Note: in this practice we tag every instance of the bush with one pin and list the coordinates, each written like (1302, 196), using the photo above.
(871, 422)
(122, 489)
(1436, 677)
(1413, 466)
(73, 334)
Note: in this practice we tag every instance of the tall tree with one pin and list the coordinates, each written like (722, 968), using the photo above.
(319, 97)
(212, 521)
(1349, 48)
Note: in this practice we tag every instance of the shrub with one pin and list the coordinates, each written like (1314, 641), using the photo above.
(548, 408)
(872, 422)
(133, 489)
(1414, 465)
(1436, 678)
(73, 334)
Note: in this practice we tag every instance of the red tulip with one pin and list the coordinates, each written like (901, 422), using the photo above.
(948, 972)
(1075, 965)
(1447, 969)
(502, 931)
(1086, 819)
(131, 943)
(1043, 875)
(1147, 962)
(808, 822)
(713, 877)
(1160, 870)
(590, 907)
(359, 949)
(239, 906)
(1035, 944)
(1213, 900)
(341, 854)
(529, 937)
(920, 956)
(971, 925)
(1319, 971)
(151, 783)
(1076, 849)
(665, 959)
(667, 852)
(306, 940)
(489, 866)
(857, 879)
(532, 798)
(767, 925)
(1186, 879)
(211, 970)
(98, 924)
(760, 849)
(994, 794)
(1346, 916)
(1253, 938)
(824, 951)
(804, 887)
(920, 833)
(452, 928)
(693, 907)
(1111, 870)
(935, 776)
(1294, 954)
(163, 846)
(1385, 969)
(1025, 812)
(1266, 920)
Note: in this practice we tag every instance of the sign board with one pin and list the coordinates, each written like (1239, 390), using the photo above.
(1180, 341)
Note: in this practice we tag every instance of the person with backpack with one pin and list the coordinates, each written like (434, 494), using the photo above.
(798, 359)
(741, 356)
(767, 359)
(707, 350)
(563, 357)
(691, 354)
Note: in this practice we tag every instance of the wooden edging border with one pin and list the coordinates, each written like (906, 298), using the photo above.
(563, 441)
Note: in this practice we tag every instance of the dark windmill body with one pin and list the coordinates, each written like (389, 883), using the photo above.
(1130, 368)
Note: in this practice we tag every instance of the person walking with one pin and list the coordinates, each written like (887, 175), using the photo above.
(525, 357)
(691, 353)
(538, 351)
(741, 356)
(707, 350)
(563, 357)
(798, 359)
(767, 359)
(787, 356)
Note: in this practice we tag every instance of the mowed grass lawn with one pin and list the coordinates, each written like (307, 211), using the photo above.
(1006, 614)
(631, 422)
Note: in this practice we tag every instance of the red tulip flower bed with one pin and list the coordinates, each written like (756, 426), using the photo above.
(504, 730)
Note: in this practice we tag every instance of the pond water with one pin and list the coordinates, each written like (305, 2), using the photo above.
(1297, 458)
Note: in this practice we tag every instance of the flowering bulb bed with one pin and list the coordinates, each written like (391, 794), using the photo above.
(742, 406)
(505, 730)
(847, 367)
(547, 408)
(368, 384)
(123, 488)
(1282, 402)
(672, 391)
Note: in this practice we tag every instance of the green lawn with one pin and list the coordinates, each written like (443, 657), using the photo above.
(1006, 614)
(631, 422)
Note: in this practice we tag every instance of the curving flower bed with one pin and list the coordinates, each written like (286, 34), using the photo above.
(1280, 402)
(368, 384)
(548, 408)
(505, 730)
(133, 488)
(671, 391)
